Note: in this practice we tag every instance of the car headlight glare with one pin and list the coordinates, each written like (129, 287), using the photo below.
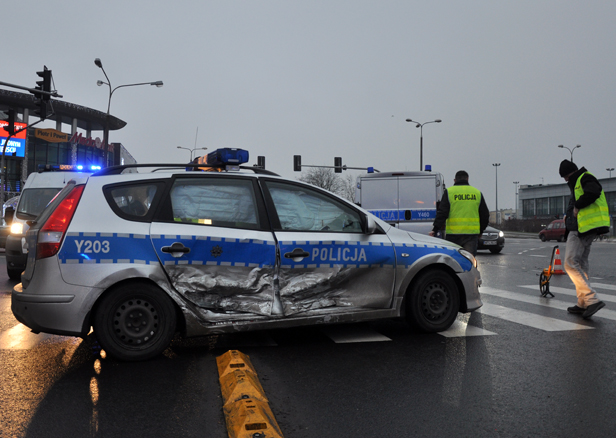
(501, 234)
(17, 228)
(469, 256)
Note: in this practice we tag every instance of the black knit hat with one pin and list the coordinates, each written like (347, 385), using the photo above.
(567, 167)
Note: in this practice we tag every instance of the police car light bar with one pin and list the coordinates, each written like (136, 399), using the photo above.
(67, 168)
(224, 156)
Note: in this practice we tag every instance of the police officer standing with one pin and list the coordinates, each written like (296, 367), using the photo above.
(463, 214)
(587, 216)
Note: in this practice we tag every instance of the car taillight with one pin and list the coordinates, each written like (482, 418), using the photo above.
(52, 232)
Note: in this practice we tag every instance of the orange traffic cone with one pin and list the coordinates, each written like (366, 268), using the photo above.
(558, 265)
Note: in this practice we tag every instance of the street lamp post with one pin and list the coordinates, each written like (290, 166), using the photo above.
(190, 150)
(516, 198)
(497, 215)
(420, 125)
(609, 169)
(570, 150)
(99, 64)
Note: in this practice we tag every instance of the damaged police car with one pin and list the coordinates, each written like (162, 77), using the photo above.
(216, 247)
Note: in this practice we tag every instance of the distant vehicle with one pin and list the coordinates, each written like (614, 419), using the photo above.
(406, 200)
(141, 256)
(39, 189)
(554, 231)
(492, 239)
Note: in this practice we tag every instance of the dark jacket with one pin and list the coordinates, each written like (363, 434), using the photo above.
(443, 212)
(592, 190)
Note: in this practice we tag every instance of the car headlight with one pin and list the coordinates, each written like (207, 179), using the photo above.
(469, 256)
(501, 234)
(17, 228)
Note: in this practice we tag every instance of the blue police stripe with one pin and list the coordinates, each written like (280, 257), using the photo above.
(217, 251)
(416, 251)
(399, 215)
(107, 248)
(348, 254)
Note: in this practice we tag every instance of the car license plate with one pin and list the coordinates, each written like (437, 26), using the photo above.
(490, 242)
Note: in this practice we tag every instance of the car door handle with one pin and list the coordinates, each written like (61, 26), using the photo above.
(297, 255)
(177, 249)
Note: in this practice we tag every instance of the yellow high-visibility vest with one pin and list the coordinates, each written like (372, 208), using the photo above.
(596, 214)
(463, 210)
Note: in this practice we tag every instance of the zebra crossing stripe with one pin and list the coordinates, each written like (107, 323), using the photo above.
(571, 292)
(544, 323)
(349, 334)
(461, 329)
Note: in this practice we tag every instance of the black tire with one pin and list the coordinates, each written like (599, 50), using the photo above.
(14, 274)
(432, 302)
(135, 321)
(542, 237)
(495, 250)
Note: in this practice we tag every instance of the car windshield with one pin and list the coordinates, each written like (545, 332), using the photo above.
(33, 201)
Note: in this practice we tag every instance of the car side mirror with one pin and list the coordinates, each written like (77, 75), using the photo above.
(370, 224)
(9, 213)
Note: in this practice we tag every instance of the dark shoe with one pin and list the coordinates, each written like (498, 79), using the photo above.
(576, 309)
(592, 309)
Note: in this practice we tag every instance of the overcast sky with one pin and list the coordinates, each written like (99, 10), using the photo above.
(510, 80)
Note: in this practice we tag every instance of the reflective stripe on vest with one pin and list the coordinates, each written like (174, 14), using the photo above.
(596, 214)
(463, 210)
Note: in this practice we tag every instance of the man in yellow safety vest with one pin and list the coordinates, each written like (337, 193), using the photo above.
(587, 215)
(463, 213)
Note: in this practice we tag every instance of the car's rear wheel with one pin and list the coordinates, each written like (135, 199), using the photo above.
(433, 301)
(14, 274)
(135, 321)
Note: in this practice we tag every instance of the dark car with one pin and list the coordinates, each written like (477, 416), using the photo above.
(554, 231)
(492, 239)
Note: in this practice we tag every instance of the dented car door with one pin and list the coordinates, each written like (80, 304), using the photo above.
(326, 260)
(216, 247)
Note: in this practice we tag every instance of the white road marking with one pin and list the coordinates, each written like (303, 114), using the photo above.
(571, 292)
(530, 319)
(342, 334)
(461, 329)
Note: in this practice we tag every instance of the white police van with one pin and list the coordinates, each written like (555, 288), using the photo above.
(39, 189)
(225, 248)
(406, 200)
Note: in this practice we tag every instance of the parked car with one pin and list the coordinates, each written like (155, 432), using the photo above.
(492, 239)
(140, 256)
(554, 231)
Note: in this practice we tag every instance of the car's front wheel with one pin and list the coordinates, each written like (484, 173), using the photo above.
(433, 301)
(135, 321)
(543, 239)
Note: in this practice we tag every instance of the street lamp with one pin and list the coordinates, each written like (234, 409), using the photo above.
(420, 125)
(516, 198)
(497, 215)
(570, 150)
(190, 150)
(99, 64)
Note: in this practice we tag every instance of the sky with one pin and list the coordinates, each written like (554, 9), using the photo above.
(510, 80)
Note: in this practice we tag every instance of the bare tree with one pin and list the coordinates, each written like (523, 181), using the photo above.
(322, 177)
(348, 184)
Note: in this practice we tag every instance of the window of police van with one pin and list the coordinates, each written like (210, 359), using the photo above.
(302, 209)
(219, 202)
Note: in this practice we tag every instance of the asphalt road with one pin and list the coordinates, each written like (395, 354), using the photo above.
(520, 367)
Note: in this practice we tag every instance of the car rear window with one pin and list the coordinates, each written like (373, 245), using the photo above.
(133, 200)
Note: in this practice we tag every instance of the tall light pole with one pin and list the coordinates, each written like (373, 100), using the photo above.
(516, 198)
(99, 64)
(190, 150)
(570, 150)
(420, 125)
(497, 215)
(609, 169)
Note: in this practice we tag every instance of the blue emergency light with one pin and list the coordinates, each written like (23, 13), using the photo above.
(67, 168)
(223, 156)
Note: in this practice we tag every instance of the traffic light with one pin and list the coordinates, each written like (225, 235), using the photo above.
(41, 99)
(261, 161)
(10, 128)
(338, 164)
(297, 163)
